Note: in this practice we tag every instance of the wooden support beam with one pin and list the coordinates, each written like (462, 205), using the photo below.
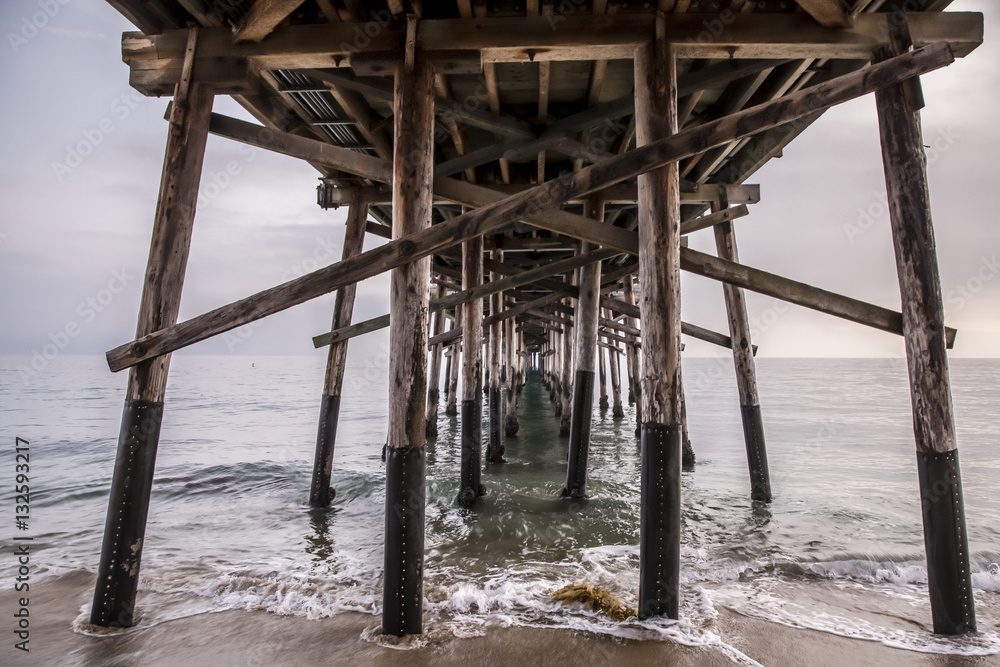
(614, 369)
(945, 533)
(660, 304)
(413, 108)
(585, 362)
(262, 18)
(620, 193)
(530, 205)
(472, 375)
(494, 442)
(746, 371)
(454, 366)
(320, 493)
(434, 374)
(128, 505)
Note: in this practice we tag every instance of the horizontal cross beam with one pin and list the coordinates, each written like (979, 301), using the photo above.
(454, 44)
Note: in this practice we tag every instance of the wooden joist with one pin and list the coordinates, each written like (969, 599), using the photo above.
(533, 204)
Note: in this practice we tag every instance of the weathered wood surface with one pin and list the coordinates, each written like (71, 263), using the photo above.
(410, 281)
(343, 308)
(170, 244)
(579, 37)
(262, 18)
(529, 203)
(739, 322)
(588, 302)
(434, 373)
(922, 319)
(620, 193)
(472, 321)
(659, 240)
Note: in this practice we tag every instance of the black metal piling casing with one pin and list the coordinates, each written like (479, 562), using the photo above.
(946, 542)
(495, 450)
(402, 593)
(753, 435)
(579, 435)
(471, 473)
(320, 493)
(660, 521)
(128, 507)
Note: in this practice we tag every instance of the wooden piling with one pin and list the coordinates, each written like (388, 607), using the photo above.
(659, 276)
(412, 198)
(631, 350)
(320, 493)
(128, 505)
(494, 445)
(511, 425)
(434, 374)
(454, 368)
(471, 487)
(617, 411)
(566, 374)
(945, 535)
(746, 371)
(602, 377)
(588, 306)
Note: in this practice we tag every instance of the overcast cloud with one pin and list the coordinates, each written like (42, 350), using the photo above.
(82, 154)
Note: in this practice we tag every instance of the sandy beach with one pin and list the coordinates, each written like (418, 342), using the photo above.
(260, 638)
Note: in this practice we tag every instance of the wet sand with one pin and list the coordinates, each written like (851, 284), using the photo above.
(260, 638)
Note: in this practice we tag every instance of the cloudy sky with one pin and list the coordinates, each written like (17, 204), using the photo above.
(81, 163)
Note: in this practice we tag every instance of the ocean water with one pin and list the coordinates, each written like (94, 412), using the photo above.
(839, 550)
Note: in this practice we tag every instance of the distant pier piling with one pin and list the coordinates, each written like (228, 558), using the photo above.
(472, 376)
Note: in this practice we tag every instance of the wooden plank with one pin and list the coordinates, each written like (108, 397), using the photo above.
(530, 205)
(262, 18)
(579, 37)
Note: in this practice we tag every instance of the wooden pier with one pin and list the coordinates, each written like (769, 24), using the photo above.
(536, 167)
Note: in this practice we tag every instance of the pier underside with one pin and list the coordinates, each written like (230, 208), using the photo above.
(536, 168)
